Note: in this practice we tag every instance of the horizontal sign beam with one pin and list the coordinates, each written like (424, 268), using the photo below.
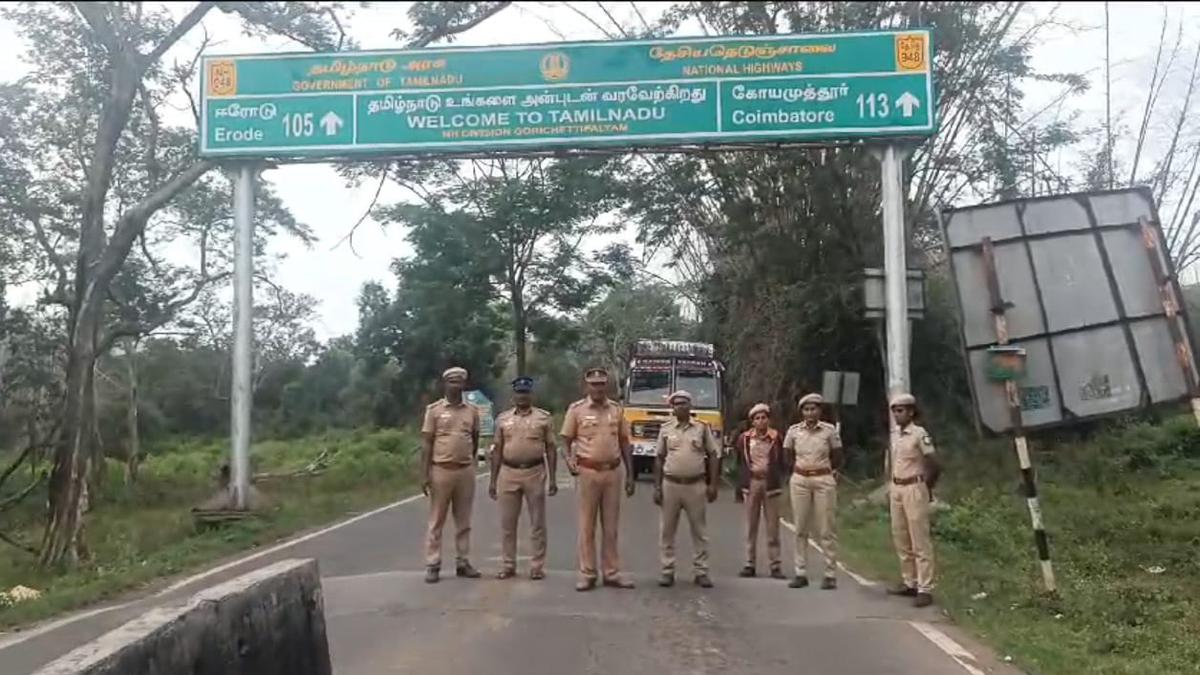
(685, 92)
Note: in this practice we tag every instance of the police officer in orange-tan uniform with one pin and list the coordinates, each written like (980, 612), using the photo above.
(914, 472)
(525, 447)
(813, 449)
(596, 441)
(762, 476)
(685, 471)
(450, 440)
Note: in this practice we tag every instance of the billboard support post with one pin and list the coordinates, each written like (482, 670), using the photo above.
(1011, 391)
(242, 396)
(1171, 308)
(895, 270)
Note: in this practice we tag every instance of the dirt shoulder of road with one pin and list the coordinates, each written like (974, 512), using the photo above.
(1122, 510)
(139, 536)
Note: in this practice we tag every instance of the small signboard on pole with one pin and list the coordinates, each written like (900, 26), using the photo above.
(840, 387)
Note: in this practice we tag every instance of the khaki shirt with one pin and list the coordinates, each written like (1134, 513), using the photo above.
(597, 431)
(760, 451)
(908, 449)
(453, 428)
(685, 446)
(812, 446)
(525, 435)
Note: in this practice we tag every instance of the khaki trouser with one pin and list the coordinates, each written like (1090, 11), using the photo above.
(814, 507)
(599, 496)
(910, 534)
(758, 502)
(451, 489)
(690, 499)
(513, 485)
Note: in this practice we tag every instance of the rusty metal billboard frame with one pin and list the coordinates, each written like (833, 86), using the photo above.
(1028, 241)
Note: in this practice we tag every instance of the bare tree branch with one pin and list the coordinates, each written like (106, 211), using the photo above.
(186, 24)
(571, 6)
(13, 542)
(96, 17)
(18, 497)
(443, 32)
(60, 266)
(133, 221)
(366, 213)
(1152, 94)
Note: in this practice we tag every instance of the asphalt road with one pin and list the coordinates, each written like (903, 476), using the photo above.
(382, 617)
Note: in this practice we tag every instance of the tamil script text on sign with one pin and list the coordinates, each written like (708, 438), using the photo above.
(641, 93)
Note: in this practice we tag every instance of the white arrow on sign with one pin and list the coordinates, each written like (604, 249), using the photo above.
(331, 123)
(907, 103)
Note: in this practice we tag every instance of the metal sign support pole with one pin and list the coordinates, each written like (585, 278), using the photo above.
(895, 269)
(243, 332)
(1171, 307)
(1018, 429)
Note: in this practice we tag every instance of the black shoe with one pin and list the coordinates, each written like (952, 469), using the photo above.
(748, 571)
(799, 582)
(829, 584)
(923, 600)
(432, 575)
(666, 580)
(465, 571)
(703, 581)
(777, 573)
(902, 590)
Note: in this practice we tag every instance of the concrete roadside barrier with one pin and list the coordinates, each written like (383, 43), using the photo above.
(268, 622)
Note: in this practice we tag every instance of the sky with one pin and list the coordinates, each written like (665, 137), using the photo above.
(333, 273)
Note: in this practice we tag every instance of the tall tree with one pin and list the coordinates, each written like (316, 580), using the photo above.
(105, 165)
(525, 226)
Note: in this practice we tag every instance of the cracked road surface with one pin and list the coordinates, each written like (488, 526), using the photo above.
(382, 617)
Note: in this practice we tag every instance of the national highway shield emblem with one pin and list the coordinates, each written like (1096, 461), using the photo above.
(910, 52)
(222, 78)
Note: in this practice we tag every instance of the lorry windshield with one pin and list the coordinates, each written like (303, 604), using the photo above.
(649, 387)
(702, 385)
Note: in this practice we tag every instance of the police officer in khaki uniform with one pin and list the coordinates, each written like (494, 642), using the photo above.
(596, 441)
(685, 472)
(450, 439)
(813, 449)
(761, 477)
(524, 448)
(914, 471)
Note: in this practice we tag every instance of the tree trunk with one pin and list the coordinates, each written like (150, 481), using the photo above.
(63, 539)
(519, 341)
(135, 440)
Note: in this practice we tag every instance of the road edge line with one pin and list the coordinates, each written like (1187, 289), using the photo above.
(858, 578)
(14, 638)
(947, 644)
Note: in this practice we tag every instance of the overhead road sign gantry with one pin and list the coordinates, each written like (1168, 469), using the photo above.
(678, 92)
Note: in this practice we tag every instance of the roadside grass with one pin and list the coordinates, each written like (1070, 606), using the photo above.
(1122, 510)
(137, 535)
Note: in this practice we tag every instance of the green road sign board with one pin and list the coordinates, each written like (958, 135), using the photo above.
(695, 91)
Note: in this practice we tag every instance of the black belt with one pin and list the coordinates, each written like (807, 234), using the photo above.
(680, 480)
(525, 465)
(909, 481)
